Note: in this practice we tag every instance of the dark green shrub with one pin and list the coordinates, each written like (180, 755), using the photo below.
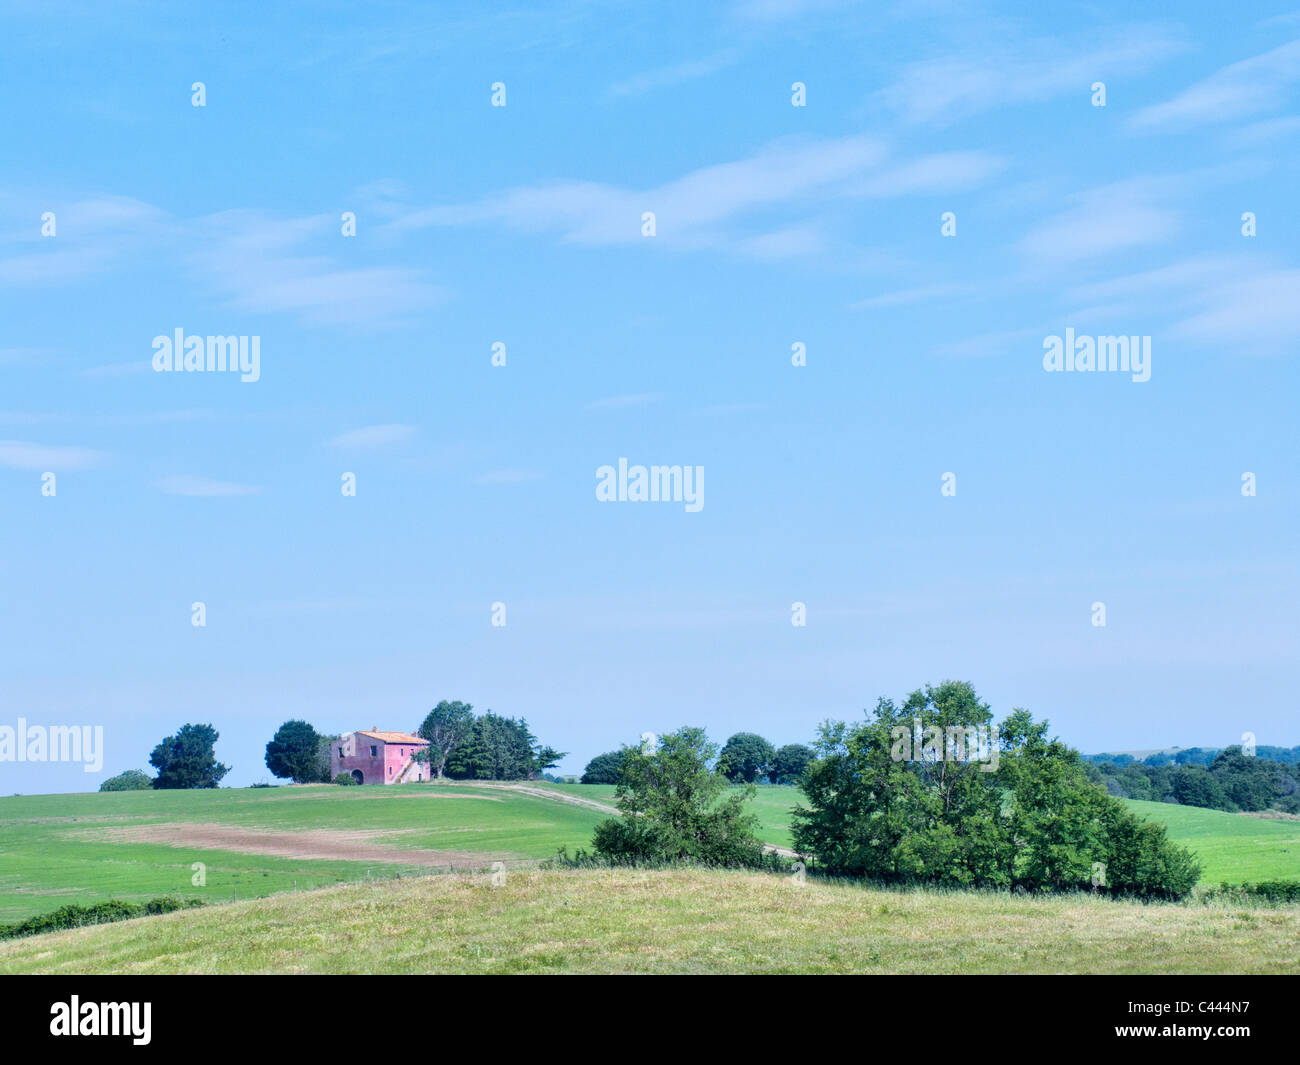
(131, 780)
(78, 916)
(673, 809)
(1276, 890)
(604, 768)
(1022, 814)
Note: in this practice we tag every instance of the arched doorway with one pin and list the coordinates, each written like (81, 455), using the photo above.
(358, 776)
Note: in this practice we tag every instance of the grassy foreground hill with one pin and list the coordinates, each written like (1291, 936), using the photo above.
(678, 921)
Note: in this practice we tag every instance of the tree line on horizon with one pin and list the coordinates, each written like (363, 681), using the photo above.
(463, 745)
(1231, 780)
(1203, 756)
(746, 758)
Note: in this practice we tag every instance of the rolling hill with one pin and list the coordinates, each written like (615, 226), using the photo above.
(678, 921)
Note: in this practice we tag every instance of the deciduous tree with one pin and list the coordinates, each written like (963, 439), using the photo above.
(188, 759)
(294, 752)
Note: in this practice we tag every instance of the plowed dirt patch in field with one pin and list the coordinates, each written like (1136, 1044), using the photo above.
(322, 844)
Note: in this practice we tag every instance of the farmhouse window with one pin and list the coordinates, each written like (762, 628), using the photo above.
(374, 752)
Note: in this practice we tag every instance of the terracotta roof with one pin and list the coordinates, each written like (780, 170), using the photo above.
(392, 737)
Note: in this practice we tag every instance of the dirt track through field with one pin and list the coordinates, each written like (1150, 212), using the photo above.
(321, 844)
(544, 793)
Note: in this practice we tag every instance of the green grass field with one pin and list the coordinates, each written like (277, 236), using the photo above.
(1232, 847)
(679, 921)
(56, 849)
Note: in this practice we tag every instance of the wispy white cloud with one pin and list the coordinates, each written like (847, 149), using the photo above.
(189, 485)
(989, 345)
(1107, 219)
(591, 213)
(1234, 303)
(252, 260)
(1256, 314)
(791, 242)
(1265, 132)
(1287, 18)
(1188, 275)
(109, 214)
(119, 369)
(91, 237)
(665, 77)
(23, 356)
(931, 174)
(918, 294)
(375, 436)
(696, 209)
(20, 455)
(261, 264)
(1025, 71)
(1261, 83)
(76, 220)
(58, 265)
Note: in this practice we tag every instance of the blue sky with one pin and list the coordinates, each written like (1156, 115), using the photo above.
(521, 224)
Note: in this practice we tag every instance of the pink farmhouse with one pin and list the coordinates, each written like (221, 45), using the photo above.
(376, 757)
